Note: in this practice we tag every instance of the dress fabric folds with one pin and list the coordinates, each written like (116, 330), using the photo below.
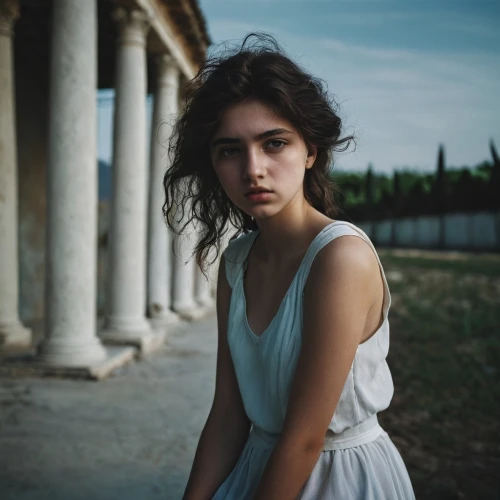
(359, 461)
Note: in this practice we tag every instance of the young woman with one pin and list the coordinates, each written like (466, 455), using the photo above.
(302, 299)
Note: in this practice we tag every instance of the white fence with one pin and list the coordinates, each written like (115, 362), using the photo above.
(458, 231)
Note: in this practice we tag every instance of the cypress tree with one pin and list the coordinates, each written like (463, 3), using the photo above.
(440, 191)
(440, 194)
(369, 191)
(369, 185)
(396, 205)
(494, 154)
(396, 195)
(369, 202)
(495, 176)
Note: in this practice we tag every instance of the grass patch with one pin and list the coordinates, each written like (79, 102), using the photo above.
(445, 360)
(466, 263)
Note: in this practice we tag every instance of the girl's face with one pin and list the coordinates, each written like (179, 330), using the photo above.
(254, 149)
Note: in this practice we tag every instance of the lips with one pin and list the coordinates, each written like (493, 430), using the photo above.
(259, 196)
(257, 190)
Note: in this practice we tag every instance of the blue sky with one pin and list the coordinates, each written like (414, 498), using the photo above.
(408, 74)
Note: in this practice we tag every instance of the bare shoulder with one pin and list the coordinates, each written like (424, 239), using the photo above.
(345, 257)
(342, 288)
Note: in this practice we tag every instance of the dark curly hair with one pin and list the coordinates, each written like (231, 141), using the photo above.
(260, 70)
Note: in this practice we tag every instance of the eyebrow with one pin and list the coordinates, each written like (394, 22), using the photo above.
(258, 137)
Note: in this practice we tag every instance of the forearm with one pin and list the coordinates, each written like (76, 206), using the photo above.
(219, 447)
(287, 470)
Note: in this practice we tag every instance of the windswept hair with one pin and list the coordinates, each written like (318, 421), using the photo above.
(257, 70)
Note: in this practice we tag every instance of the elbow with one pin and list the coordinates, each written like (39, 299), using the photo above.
(313, 445)
(308, 444)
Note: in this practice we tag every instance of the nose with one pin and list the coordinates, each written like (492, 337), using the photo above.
(254, 167)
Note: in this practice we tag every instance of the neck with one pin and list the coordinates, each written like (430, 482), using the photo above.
(285, 235)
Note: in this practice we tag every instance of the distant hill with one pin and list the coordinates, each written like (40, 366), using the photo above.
(104, 180)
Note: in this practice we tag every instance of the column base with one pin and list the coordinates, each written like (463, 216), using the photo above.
(14, 335)
(207, 302)
(120, 330)
(164, 318)
(191, 314)
(31, 366)
(145, 339)
(187, 308)
(71, 352)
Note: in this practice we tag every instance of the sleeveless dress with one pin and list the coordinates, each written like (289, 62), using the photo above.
(359, 461)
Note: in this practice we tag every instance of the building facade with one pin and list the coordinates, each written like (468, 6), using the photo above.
(54, 55)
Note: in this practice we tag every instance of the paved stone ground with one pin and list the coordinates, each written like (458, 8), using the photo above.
(131, 436)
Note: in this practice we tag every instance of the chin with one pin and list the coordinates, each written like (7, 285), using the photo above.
(263, 213)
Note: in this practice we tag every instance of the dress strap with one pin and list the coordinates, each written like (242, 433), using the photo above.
(335, 230)
(235, 255)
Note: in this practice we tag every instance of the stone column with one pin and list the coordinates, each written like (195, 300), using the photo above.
(126, 299)
(203, 289)
(12, 332)
(160, 239)
(70, 312)
(183, 267)
(183, 274)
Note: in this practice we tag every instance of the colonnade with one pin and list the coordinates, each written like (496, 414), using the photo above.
(149, 286)
(11, 329)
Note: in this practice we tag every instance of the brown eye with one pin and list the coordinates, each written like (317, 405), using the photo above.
(276, 144)
(228, 152)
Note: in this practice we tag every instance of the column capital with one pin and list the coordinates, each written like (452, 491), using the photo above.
(9, 12)
(133, 26)
(167, 71)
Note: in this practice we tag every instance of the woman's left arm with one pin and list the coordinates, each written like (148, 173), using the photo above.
(340, 290)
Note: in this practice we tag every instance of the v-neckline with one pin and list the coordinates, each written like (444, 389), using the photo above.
(283, 300)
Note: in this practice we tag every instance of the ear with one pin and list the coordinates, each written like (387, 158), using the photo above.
(312, 152)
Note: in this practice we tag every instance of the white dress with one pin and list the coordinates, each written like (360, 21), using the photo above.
(359, 461)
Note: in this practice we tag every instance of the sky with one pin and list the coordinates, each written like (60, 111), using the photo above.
(407, 74)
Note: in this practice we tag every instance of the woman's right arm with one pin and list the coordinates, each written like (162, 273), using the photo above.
(227, 426)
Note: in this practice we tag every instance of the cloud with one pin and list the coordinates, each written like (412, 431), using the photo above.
(406, 102)
(401, 103)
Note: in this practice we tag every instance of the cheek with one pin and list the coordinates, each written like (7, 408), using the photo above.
(220, 172)
(227, 179)
(290, 172)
